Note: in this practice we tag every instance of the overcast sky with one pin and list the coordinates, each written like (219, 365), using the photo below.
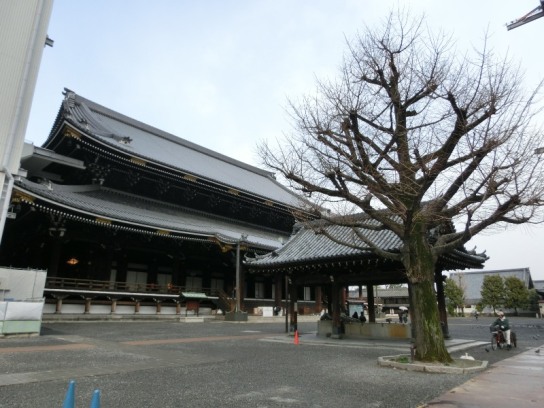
(219, 72)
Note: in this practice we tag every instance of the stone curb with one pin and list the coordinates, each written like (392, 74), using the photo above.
(386, 361)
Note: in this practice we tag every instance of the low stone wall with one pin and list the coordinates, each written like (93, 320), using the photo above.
(124, 310)
(368, 330)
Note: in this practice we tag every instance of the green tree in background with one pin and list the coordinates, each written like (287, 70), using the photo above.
(455, 296)
(492, 292)
(516, 294)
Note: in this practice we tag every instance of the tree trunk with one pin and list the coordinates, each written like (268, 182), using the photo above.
(420, 262)
(427, 329)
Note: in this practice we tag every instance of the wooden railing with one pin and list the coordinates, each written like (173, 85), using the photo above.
(89, 284)
(223, 301)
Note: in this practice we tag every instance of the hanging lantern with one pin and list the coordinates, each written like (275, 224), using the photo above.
(72, 261)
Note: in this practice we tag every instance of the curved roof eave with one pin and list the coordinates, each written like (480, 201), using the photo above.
(308, 247)
(87, 203)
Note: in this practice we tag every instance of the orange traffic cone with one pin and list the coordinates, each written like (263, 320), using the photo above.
(296, 337)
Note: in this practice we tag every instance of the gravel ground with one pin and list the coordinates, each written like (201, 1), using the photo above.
(220, 364)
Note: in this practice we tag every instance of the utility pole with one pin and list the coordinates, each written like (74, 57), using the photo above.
(238, 314)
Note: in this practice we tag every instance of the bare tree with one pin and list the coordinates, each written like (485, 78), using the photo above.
(417, 135)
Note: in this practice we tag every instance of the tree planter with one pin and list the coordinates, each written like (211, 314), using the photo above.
(458, 366)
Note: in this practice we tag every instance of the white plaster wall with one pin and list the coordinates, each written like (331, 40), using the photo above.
(21, 284)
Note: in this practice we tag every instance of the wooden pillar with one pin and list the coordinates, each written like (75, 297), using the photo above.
(329, 299)
(287, 302)
(360, 291)
(293, 305)
(335, 303)
(178, 307)
(318, 299)
(441, 303)
(242, 287)
(58, 305)
(371, 304)
(113, 305)
(278, 290)
(87, 305)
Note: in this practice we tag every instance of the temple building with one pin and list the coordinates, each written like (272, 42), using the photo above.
(125, 217)
(130, 220)
(319, 267)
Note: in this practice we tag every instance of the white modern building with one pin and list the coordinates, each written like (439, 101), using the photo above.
(23, 34)
(23, 30)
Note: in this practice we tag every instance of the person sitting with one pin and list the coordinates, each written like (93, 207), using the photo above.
(355, 315)
(503, 324)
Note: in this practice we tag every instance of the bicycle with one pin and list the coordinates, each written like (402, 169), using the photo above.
(498, 340)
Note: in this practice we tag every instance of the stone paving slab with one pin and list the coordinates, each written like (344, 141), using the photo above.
(232, 366)
(514, 382)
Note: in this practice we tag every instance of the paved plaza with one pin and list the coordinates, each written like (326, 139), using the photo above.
(221, 364)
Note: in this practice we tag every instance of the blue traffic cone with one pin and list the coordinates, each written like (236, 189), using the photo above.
(95, 402)
(70, 398)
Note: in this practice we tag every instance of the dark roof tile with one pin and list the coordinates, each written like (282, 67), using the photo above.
(155, 145)
(96, 201)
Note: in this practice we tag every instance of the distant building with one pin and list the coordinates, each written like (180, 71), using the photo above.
(539, 286)
(471, 282)
(388, 299)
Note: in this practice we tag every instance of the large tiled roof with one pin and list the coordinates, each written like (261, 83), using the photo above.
(138, 139)
(94, 201)
(307, 246)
